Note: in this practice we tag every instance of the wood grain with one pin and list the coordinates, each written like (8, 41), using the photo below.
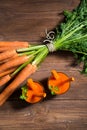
(26, 20)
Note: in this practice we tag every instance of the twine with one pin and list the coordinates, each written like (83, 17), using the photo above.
(49, 41)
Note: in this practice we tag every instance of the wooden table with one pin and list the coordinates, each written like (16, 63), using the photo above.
(27, 20)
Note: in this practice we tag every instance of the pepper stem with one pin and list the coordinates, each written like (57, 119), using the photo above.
(68, 80)
(55, 74)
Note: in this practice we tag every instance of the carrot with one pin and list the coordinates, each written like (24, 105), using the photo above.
(59, 82)
(8, 71)
(2, 49)
(14, 62)
(6, 60)
(4, 80)
(13, 44)
(7, 54)
(25, 73)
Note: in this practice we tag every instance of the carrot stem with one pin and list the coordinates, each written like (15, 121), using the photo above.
(40, 56)
(31, 48)
(26, 53)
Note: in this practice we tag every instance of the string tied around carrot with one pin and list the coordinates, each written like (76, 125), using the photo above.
(49, 41)
(51, 47)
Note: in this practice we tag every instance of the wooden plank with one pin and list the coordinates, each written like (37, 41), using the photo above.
(20, 21)
(46, 115)
(26, 20)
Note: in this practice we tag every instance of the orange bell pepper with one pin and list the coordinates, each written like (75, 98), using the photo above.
(33, 92)
(59, 82)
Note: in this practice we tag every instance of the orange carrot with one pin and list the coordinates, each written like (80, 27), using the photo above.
(13, 44)
(2, 49)
(7, 72)
(7, 54)
(4, 80)
(14, 62)
(6, 60)
(25, 73)
(59, 82)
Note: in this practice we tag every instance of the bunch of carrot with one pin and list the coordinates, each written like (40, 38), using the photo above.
(18, 60)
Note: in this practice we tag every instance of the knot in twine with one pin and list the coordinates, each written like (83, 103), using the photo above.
(49, 41)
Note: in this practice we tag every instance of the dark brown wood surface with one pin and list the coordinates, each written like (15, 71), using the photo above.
(27, 20)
